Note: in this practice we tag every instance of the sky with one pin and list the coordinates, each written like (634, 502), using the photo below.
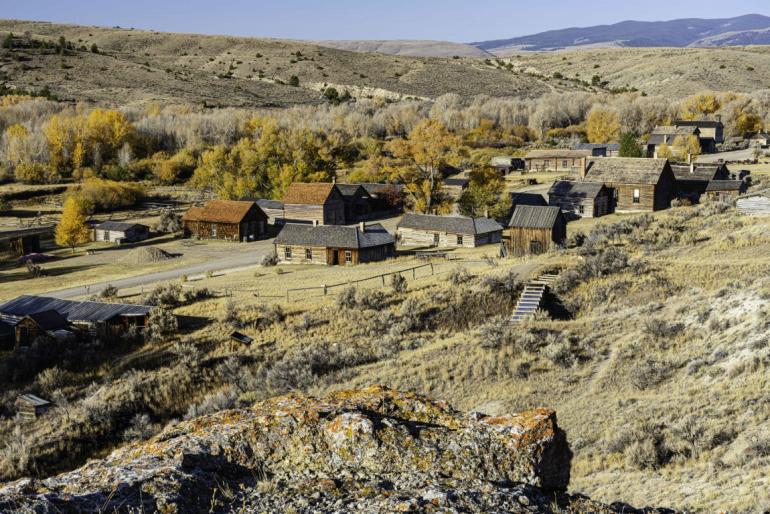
(450, 20)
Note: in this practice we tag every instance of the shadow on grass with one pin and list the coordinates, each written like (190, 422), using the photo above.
(22, 273)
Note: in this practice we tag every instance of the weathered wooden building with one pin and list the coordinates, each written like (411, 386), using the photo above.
(710, 132)
(121, 232)
(31, 406)
(725, 190)
(556, 159)
(95, 317)
(668, 135)
(228, 220)
(534, 230)
(754, 204)
(579, 199)
(693, 179)
(273, 209)
(599, 149)
(633, 184)
(21, 241)
(447, 231)
(319, 202)
(333, 244)
(358, 202)
(759, 139)
(506, 164)
(385, 198)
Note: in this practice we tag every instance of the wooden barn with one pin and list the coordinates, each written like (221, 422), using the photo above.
(273, 209)
(228, 220)
(333, 244)
(319, 202)
(754, 204)
(725, 190)
(579, 199)
(710, 132)
(555, 159)
(97, 318)
(633, 184)
(693, 179)
(121, 232)
(358, 202)
(31, 406)
(21, 241)
(425, 230)
(534, 230)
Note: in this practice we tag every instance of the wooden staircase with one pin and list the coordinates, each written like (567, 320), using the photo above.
(531, 298)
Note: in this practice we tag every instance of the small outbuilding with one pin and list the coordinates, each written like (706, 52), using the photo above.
(17, 242)
(534, 230)
(506, 164)
(579, 199)
(426, 230)
(725, 190)
(599, 149)
(314, 202)
(334, 244)
(229, 220)
(31, 406)
(760, 139)
(754, 204)
(358, 202)
(692, 179)
(121, 232)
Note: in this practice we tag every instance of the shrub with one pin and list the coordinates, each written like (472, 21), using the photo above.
(648, 373)
(662, 329)
(164, 296)
(271, 259)
(103, 195)
(36, 173)
(109, 292)
(169, 222)
(497, 333)
(507, 285)
(140, 428)
(459, 276)
(398, 283)
(559, 351)
(161, 323)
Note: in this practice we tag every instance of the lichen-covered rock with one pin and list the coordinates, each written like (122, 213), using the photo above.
(370, 450)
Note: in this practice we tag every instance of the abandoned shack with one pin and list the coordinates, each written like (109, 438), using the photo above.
(633, 184)
(505, 164)
(534, 230)
(357, 202)
(319, 202)
(229, 220)
(668, 135)
(333, 244)
(97, 318)
(447, 231)
(725, 190)
(579, 199)
(21, 241)
(555, 159)
(754, 204)
(31, 406)
(121, 232)
(692, 179)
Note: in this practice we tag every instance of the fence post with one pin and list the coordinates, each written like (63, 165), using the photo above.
(431, 268)
(324, 286)
(414, 273)
(383, 280)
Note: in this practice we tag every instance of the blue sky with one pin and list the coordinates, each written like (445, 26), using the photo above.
(452, 20)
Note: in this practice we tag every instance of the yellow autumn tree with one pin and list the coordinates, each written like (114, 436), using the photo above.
(699, 105)
(685, 146)
(15, 137)
(106, 131)
(65, 135)
(664, 152)
(602, 125)
(72, 229)
(419, 160)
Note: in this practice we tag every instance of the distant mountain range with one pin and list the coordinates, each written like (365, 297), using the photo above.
(751, 29)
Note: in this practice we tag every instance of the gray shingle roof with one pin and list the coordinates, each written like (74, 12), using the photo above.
(625, 170)
(265, 203)
(118, 226)
(533, 216)
(558, 153)
(725, 185)
(527, 199)
(449, 224)
(698, 123)
(574, 189)
(350, 190)
(89, 312)
(611, 147)
(334, 236)
(26, 231)
(700, 172)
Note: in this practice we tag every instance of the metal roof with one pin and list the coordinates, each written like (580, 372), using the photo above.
(49, 320)
(74, 311)
(449, 224)
(533, 216)
(119, 226)
(613, 147)
(700, 171)
(350, 190)
(334, 236)
(698, 123)
(576, 189)
(26, 231)
(33, 400)
(222, 211)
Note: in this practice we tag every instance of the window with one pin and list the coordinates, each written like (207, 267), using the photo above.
(637, 196)
(213, 231)
(348, 256)
(564, 164)
(309, 254)
(459, 240)
(546, 164)
(287, 253)
(435, 239)
(581, 209)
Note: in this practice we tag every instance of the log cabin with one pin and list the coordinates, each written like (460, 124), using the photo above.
(579, 199)
(20, 331)
(505, 164)
(555, 159)
(121, 232)
(693, 179)
(228, 220)
(667, 135)
(599, 149)
(754, 204)
(426, 230)
(333, 245)
(318, 202)
(633, 185)
(710, 132)
(725, 190)
(534, 230)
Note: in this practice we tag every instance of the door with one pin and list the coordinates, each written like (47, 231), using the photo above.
(535, 247)
(335, 257)
(435, 239)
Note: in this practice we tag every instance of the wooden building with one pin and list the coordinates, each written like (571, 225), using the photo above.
(579, 199)
(725, 190)
(31, 406)
(668, 135)
(760, 139)
(121, 232)
(358, 202)
(710, 132)
(21, 241)
(273, 209)
(754, 204)
(228, 220)
(555, 159)
(534, 230)
(599, 149)
(506, 164)
(333, 244)
(693, 179)
(385, 198)
(633, 184)
(319, 202)
(425, 230)
(98, 318)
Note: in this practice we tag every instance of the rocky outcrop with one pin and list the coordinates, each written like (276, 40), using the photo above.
(370, 450)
